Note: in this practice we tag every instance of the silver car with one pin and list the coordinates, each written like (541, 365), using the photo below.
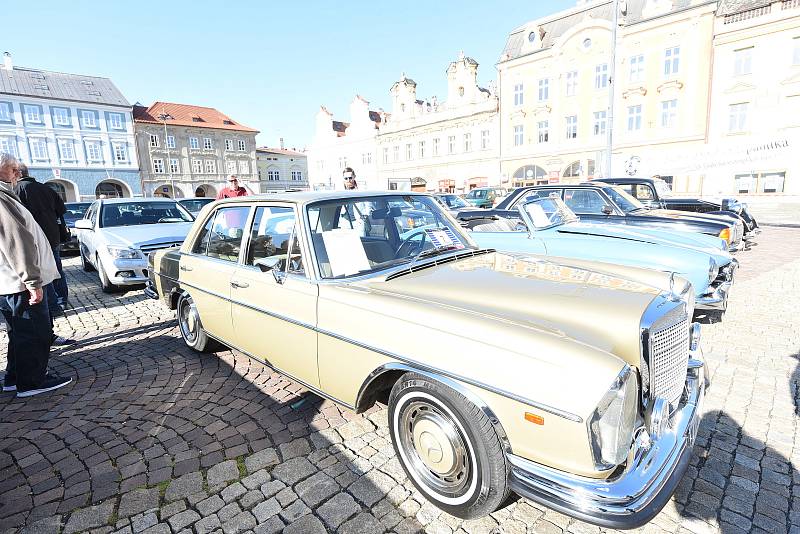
(116, 235)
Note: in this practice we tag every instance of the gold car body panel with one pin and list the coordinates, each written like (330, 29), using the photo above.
(209, 282)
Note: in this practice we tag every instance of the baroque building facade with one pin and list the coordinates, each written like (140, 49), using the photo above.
(188, 151)
(73, 131)
(450, 145)
(280, 169)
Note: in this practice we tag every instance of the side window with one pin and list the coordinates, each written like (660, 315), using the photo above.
(90, 213)
(643, 192)
(628, 188)
(584, 201)
(227, 231)
(201, 244)
(272, 235)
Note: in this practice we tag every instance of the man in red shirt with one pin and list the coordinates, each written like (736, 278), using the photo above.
(233, 189)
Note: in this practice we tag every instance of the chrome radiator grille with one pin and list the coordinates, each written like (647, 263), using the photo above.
(669, 357)
(158, 246)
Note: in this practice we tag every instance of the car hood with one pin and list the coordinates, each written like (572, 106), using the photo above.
(646, 235)
(144, 235)
(688, 215)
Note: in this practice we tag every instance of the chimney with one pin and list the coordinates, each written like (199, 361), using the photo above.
(281, 143)
(7, 61)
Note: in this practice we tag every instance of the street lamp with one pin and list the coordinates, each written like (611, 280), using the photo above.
(164, 117)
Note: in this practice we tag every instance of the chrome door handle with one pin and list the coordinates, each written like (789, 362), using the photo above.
(240, 284)
(185, 268)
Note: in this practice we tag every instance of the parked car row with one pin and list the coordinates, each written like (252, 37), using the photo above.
(518, 349)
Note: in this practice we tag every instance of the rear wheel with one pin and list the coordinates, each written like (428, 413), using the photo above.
(192, 331)
(448, 447)
(105, 283)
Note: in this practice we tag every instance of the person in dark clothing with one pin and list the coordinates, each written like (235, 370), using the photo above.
(47, 209)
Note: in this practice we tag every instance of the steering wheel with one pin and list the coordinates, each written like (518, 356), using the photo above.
(408, 247)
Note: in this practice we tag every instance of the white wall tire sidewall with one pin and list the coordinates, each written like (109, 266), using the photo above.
(473, 490)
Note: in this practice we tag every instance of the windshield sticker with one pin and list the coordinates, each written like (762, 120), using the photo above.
(443, 238)
(346, 253)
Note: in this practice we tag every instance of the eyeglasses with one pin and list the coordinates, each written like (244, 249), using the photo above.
(233, 181)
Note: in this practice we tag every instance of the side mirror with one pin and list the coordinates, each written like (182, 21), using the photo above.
(274, 264)
(607, 210)
(84, 224)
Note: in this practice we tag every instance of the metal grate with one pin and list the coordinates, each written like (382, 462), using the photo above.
(670, 357)
(159, 246)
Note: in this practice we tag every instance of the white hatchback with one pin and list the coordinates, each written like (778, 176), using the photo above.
(116, 235)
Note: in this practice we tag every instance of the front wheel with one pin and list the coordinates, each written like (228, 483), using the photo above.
(448, 447)
(105, 283)
(85, 264)
(192, 331)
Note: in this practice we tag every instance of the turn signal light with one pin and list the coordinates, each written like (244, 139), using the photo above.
(533, 418)
(726, 234)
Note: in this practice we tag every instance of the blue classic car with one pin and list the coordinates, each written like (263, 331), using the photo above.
(550, 228)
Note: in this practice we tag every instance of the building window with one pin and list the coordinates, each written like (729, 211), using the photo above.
(244, 167)
(669, 113)
(572, 126)
(94, 152)
(636, 73)
(228, 144)
(599, 123)
(115, 121)
(544, 89)
(61, 117)
(572, 83)
(396, 153)
(273, 175)
(88, 119)
(194, 143)
(672, 58)
(5, 112)
(8, 145)
(197, 166)
(796, 51)
(467, 142)
(158, 166)
(230, 166)
(38, 149)
(519, 135)
(451, 144)
(174, 168)
(153, 141)
(297, 175)
(634, 118)
(120, 152)
(518, 94)
(601, 76)
(170, 141)
(242, 146)
(543, 128)
(368, 158)
(211, 166)
(66, 149)
(207, 143)
(484, 139)
(32, 114)
(409, 154)
(742, 60)
(386, 154)
(435, 146)
(421, 146)
(737, 117)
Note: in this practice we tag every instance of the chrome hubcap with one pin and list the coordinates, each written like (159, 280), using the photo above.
(188, 321)
(435, 448)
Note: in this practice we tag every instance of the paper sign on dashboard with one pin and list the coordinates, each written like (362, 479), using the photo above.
(346, 253)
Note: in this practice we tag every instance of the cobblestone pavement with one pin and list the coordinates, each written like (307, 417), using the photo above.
(154, 438)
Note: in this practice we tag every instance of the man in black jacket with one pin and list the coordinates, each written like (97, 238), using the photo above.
(47, 209)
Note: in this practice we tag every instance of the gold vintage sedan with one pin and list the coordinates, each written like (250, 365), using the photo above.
(573, 383)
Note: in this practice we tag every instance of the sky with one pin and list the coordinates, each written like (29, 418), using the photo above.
(266, 64)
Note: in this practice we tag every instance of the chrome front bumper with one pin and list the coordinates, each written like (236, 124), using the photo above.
(717, 297)
(634, 496)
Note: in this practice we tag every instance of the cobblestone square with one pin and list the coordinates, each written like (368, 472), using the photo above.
(154, 438)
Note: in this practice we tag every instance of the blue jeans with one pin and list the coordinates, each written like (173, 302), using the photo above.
(57, 291)
(29, 337)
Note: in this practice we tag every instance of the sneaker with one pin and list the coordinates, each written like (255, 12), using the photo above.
(49, 383)
(9, 384)
(59, 341)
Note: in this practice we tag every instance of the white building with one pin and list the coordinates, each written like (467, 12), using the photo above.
(441, 146)
(280, 169)
(337, 145)
(74, 132)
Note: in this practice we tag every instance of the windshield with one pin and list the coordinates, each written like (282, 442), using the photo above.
(135, 213)
(195, 204)
(75, 210)
(547, 212)
(355, 236)
(454, 201)
(626, 202)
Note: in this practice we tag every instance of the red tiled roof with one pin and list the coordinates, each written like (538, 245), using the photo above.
(186, 115)
(283, 151)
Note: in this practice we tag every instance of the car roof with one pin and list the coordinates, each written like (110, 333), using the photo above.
(307, 197)
(134, 199)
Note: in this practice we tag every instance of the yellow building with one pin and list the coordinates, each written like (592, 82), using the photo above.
(554, 80)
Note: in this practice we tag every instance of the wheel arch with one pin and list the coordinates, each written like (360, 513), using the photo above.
(384, 377)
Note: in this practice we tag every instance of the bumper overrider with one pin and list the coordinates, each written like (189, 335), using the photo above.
(633, 497)
(718, 291)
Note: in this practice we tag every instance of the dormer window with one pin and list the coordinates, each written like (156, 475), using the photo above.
(227, 122)
(402, 107)
(197, 119)
(460, 91)
(532, 37)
